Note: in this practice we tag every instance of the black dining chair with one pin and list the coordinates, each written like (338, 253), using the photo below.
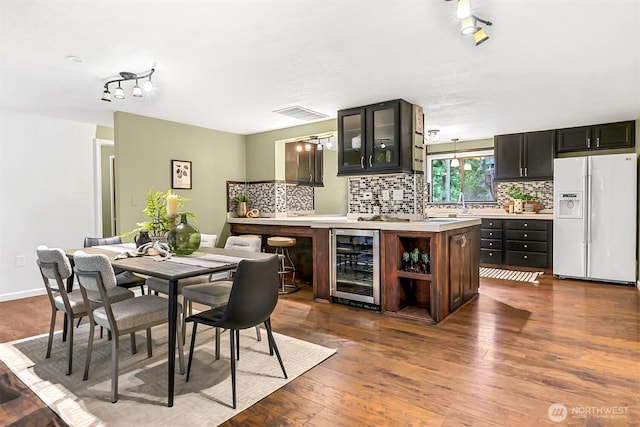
(253, 297)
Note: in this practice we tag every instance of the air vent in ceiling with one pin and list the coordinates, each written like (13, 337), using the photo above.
(301, 113)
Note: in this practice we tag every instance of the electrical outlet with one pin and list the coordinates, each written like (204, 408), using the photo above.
(367, 195)
(398, 194)
(385, 195)
(21, 261)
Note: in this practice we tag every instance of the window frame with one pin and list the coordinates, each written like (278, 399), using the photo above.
(450, 155)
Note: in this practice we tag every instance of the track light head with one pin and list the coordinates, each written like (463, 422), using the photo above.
(106, 95)
(480, 36)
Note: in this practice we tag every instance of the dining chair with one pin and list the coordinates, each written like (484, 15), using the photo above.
(253, 298)
(96, 278)
(216, 292)
(55, 268)
(125, 279)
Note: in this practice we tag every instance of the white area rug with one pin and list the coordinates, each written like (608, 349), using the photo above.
(519, 276)
(204, 401)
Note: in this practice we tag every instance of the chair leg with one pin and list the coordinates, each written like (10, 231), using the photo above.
(237, 332)
(89, 349)
(134, 347)
(142, 289)
(70, 346)
(79, 320)
(149, 349)
(217, 343)
(193, 342)
(258, 334)
(180, 341)
(52, 327)
(115, 352)
(233, 366)
(267, 325)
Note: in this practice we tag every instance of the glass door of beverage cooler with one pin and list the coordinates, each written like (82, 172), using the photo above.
(355, 269)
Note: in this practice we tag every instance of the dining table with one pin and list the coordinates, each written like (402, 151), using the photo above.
(173, 269)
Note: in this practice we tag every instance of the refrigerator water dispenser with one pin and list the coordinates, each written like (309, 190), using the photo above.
(569, 204)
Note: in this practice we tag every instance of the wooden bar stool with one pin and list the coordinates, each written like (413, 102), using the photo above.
(282, 245)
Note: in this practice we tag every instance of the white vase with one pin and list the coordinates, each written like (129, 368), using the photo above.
(517, 205)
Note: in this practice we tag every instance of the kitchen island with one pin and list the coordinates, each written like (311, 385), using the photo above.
(453, 245)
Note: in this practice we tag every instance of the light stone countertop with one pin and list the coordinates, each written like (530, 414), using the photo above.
(338, 221)
(489, 213)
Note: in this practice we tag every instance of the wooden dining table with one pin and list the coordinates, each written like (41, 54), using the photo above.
(172, 271)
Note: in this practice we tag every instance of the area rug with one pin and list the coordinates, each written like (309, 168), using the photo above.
(204, 401)
(519, 276)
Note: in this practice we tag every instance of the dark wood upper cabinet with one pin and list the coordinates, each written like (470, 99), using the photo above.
(597, 137)
(376, 139)
(523, 156)
(303, 163)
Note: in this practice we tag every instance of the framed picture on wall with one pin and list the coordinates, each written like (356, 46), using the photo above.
(181, 173)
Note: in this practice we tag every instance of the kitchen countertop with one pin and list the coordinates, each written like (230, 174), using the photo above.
(489, 213)
(338, 221)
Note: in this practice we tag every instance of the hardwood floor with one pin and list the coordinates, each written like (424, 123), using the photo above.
(500, 361)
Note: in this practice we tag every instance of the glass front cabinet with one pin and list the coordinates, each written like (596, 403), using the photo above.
(377, 138)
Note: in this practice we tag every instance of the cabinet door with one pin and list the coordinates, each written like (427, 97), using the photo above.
(351, 141)
(383, 136)
(303, 163)
(539, 150)
(456, 273)
(573, 139)
(614, 135)
(508, 156)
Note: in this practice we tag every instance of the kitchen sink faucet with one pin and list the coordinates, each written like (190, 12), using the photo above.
(462, 203)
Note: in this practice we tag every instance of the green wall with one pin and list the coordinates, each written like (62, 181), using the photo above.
(104, 132)
(144, 149)
(265, 161)
(265, 158)
(447, 147)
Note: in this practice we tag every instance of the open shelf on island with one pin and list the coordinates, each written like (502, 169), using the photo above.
(414, 275)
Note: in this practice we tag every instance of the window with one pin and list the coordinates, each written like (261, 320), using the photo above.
(474, 177)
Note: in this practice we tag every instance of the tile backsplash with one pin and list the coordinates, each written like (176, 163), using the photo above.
(272, 198)
(410, 185)
(540, 190)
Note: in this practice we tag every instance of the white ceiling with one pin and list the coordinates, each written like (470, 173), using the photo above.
(228, 64)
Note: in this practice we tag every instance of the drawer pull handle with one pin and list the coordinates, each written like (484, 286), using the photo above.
(490, 234)
(490, 244)
(526, 225)
(526, 246)
(525, 257)
(490, 223)
(525, 235)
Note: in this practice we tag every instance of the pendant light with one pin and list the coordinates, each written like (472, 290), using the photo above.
(467, 166)
(455, 163)
(124, 77)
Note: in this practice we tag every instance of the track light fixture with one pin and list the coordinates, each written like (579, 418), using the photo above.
(433, 135)
(126, 76)
(469, 22)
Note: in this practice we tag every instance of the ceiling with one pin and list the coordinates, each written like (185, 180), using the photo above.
(228, 64)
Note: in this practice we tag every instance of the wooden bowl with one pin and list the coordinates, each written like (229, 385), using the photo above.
(536, 206)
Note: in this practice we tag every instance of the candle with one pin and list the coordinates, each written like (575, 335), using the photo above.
(172, 205)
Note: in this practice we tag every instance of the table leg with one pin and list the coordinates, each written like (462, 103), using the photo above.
(173, 314)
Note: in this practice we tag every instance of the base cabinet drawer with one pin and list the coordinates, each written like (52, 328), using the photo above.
(491, 256)
(490, 234)
(526, 235)
(491, 243)
(517, 245)
(526, 259)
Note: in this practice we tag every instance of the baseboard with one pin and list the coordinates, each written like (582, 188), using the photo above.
(22, 294)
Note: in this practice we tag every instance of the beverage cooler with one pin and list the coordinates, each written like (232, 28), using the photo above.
(355, 267)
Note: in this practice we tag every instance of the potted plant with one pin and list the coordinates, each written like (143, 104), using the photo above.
(241, 201)
(521, 200)
(158, 223)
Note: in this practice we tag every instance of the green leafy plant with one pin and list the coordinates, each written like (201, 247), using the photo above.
(241, 198)
(516, 193)
(156, 210)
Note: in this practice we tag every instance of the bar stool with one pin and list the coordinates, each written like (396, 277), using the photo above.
(282, 245)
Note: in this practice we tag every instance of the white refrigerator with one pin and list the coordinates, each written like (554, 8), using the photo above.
(594, 227)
